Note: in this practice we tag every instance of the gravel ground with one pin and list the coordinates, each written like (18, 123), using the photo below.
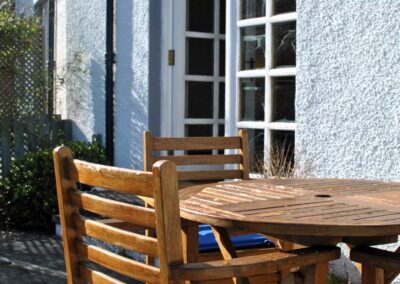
(30, 258)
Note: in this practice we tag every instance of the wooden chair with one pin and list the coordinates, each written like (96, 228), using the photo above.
(195, 157)
(185, 146)
(85, 262)
(180, 151)
(378, 266)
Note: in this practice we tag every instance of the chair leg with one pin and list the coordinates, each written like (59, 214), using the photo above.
(313, 274)
(227, 249)
(190, 242)
(285, 246)
(372, 275)
(190, 245)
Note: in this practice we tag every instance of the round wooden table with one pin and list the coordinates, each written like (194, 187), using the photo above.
(305, 211)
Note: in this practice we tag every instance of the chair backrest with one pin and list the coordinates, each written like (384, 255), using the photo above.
(205, 152)
(85, 258)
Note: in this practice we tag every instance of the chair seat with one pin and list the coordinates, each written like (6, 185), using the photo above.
(207, 242)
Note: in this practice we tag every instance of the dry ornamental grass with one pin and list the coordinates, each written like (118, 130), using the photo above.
(283, 162)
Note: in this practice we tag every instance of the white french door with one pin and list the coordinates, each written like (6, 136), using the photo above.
(198, 72)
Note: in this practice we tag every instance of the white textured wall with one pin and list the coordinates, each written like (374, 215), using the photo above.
(348, 93)
(81, 32)
(80, 49)
(348, 88)
(132, 81)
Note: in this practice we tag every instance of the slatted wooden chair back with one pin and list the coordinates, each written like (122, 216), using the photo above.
(86, 259)
(200, 154)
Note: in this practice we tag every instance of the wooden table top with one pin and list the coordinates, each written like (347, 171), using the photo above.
(301, 207)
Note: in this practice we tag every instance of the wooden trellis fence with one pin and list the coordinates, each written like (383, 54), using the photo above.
(19, 137)
(24, 124)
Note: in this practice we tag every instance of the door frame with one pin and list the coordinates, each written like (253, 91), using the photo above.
(167, 20)
(172, 106)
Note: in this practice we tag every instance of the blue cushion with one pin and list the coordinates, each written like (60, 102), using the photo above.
(207, 242)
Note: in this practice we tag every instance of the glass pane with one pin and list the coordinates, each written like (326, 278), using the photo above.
(221, 113)
(252, 99)
(200, 56)
(285, 44)
(281, 154)
(283, 99)
(256, 149)
(222, 58)
(221, 130)
(285, 6)
(221, 133)
(200, 16)
(252, 48)
(198, 131)
(253, 8)
(199, 100)
(222, 16)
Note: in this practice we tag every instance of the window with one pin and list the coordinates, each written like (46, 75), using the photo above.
(266, 75)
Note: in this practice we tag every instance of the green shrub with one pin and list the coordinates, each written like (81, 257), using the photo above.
(28, 197)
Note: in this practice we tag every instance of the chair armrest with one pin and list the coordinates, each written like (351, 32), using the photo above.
(254, 265)
(376, 257)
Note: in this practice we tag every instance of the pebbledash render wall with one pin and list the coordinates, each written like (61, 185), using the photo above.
(348, 94)
(80, 71)
(80, 51)
(348, 88)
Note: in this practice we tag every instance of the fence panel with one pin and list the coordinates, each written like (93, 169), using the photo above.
(24, 124)
(18, 137)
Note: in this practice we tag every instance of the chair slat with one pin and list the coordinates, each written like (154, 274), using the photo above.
(118, 210)
(153, 146)
(119, 264)
(123, 225)
(95, 277)
(115, 236)
(376, 257)
(254, 265)
(121, 180)
(202, 159)
(196, 143)
(210, 175)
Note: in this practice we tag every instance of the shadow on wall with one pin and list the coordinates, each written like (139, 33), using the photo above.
(24, 7)
(97, 86)
(77, 133)
(131, 84)
(84, 70)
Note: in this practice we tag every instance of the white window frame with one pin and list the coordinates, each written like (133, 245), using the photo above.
(234, 26)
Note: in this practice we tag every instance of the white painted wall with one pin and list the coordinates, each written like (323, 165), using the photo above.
(347, 85)
(348, 88)
(132, 81)
(348, 93)
(81, 97)
(80, 49)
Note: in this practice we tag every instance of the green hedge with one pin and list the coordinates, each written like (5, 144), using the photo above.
(28, 197)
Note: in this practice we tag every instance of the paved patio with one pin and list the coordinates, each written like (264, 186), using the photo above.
(30, 258)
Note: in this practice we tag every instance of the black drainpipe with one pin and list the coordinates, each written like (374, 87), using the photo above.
(110, 60)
